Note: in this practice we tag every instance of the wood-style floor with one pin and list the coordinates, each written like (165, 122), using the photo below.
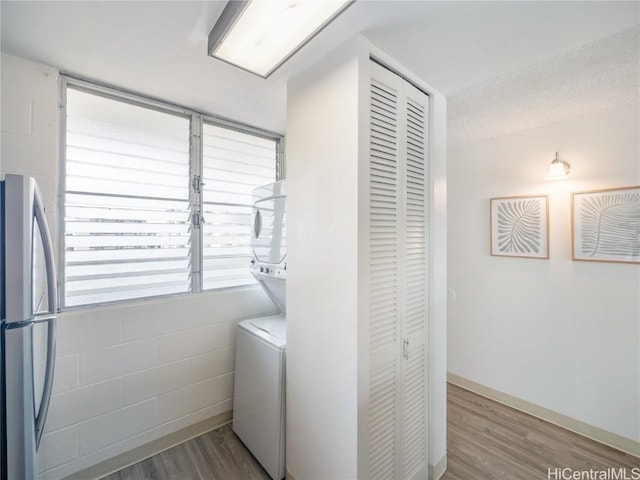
(216, 455)
(485, 441)
(489, 441)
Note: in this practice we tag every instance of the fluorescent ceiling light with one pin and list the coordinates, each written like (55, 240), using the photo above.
(260, 35)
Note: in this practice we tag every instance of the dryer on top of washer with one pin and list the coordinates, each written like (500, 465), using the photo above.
(268, 241)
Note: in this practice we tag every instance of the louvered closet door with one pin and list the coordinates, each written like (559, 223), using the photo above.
(384, 275)
(397, 278)
(414, 284)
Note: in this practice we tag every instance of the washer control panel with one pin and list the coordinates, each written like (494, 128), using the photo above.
(268, 269)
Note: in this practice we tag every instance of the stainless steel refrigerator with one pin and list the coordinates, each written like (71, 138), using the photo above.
(28, 306)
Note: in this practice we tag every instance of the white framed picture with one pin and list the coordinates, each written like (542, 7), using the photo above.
(605, 225)
(520, 226)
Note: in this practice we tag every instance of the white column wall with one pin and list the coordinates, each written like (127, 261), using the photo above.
(322, 295)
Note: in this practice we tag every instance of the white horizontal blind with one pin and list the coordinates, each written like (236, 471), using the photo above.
(234, 163)
(127, 231)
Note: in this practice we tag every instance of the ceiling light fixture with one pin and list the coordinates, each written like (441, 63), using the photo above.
(558, 168)
(260, 35)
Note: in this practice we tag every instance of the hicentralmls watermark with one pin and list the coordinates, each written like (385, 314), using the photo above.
(621, 473)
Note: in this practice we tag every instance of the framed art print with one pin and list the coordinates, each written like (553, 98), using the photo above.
(605, 225)
(520, 226)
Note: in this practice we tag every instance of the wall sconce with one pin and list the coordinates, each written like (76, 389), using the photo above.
(259, 36)
(558, 169)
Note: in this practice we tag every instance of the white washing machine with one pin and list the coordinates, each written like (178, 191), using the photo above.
(259, 391)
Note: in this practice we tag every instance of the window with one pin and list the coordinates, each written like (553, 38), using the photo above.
(140, 220)
(233, 164)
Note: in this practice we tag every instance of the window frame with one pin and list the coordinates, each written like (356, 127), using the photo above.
(196, 120)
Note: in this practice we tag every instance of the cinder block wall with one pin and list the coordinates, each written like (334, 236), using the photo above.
(125, 374)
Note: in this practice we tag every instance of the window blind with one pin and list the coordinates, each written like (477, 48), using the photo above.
(233, 164)
(126, 207)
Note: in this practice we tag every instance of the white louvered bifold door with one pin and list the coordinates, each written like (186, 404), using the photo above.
(397, 277)
(384, 275)
(414, 284)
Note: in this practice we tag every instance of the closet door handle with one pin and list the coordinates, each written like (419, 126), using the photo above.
(405, 349)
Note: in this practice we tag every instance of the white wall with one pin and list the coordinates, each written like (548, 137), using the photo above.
(438, 309)
(560, 334)
(322, 295)
(126, 374)
(29, 100)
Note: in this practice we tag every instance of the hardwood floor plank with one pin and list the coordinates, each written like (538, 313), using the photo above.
(239, 458)
(216, 455)
(486, 441)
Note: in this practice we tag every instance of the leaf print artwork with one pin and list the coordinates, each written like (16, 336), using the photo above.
(606, 225)
(519, 227)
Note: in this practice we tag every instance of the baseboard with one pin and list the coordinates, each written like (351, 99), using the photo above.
(437, 469)
(599, 435)
(150, 449)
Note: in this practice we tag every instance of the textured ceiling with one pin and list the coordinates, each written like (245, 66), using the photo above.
(601, 75)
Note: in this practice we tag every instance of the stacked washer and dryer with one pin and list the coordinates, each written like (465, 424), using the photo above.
(259, 391)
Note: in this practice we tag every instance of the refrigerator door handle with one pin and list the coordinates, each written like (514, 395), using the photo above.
(51, 321)
(41, 418)
(47, 245)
